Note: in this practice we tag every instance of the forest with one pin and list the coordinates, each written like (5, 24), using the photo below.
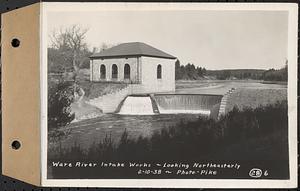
(189, 71)
(192, 72)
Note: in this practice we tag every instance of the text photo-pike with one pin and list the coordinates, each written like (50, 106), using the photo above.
(168, 92)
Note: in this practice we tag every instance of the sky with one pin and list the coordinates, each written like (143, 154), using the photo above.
(210, 39)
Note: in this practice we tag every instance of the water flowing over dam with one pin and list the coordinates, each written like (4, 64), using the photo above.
(137, 105)
(188, 103)
(171, 104)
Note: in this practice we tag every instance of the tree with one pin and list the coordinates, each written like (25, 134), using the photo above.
(71, 47)
(276, 75)
(178, 72)
(285, 71)
(188, 72)
(104, 46)
(58, 62)
(60, 97)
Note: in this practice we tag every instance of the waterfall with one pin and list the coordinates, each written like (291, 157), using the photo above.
(187, 103)
(171, 104)
(137, 105)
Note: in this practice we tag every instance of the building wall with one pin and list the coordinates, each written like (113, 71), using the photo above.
(148, 72)
(120, 62)
(143, 70)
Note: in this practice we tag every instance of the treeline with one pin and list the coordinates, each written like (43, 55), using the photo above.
(188, 72)
(192, 72)
(276, 75)
(236, 74)
(254, 74)
(264, 137)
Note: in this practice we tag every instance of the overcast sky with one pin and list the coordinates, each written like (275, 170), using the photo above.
(210, 39)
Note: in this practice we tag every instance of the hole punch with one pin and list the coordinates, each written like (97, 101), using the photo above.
(16, 145)
(15, 43)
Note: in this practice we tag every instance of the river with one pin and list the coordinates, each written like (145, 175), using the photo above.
(91, 131)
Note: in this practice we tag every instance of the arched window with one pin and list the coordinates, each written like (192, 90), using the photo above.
(114, 71)
(159, 71)
(126, 71)
(102, 72)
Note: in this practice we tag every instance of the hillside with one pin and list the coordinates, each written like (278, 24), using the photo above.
(236, 74)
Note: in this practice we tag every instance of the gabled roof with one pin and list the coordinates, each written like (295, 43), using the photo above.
(132, 49)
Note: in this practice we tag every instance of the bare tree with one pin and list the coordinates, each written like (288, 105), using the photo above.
(105, 46)
(70, 42)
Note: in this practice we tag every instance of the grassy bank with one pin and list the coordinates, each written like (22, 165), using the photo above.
(247, 134)
(96, 89)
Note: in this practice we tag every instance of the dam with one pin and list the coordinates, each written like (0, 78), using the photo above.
(137, 105)
(152, 104)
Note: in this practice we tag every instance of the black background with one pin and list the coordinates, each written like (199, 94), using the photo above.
(9, 184)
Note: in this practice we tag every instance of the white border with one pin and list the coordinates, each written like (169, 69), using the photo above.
(177, 183)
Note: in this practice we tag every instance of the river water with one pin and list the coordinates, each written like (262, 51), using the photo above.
(94, 130)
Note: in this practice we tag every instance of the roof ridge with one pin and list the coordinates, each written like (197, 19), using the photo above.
(132, 49)
(139, 46)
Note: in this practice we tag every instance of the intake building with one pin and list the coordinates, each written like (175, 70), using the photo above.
(135, 63)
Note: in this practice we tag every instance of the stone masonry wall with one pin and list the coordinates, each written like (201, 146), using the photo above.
(120, 62)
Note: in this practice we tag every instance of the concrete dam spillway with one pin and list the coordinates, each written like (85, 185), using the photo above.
(171, 104)
(137, 105)
(188, 103)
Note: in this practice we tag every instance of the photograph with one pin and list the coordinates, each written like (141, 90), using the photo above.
(164, 91)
